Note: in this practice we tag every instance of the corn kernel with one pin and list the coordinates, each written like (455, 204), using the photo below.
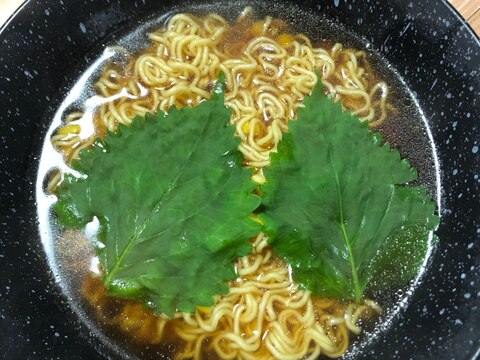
(246, 127)
(257, 28)
(284, 40)
(69, 129)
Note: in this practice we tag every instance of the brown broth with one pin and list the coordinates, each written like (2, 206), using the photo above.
(126, 325)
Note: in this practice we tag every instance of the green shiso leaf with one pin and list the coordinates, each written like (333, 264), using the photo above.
(173, 203)
(338, 208)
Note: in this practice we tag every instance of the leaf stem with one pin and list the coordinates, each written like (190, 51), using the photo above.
(356, 283)
(343, 229)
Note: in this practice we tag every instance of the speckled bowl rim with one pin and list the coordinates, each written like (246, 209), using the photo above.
(453, 12)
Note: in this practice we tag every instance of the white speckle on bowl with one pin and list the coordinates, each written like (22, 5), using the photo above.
(28, 74)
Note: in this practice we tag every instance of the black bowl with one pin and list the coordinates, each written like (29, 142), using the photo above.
(43, 49)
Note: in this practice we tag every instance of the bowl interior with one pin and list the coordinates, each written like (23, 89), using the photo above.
(48, 45)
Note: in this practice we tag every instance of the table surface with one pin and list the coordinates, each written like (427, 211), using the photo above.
(470, 10)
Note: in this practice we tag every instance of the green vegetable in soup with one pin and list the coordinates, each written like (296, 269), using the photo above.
(173, 202)
(338, 208)
(175, 205)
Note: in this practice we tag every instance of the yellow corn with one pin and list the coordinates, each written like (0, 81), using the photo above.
(284, 40)
(69, 129)
(246, 128)
(257, 28)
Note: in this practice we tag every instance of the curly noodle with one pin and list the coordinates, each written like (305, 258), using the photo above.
(268, 72)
